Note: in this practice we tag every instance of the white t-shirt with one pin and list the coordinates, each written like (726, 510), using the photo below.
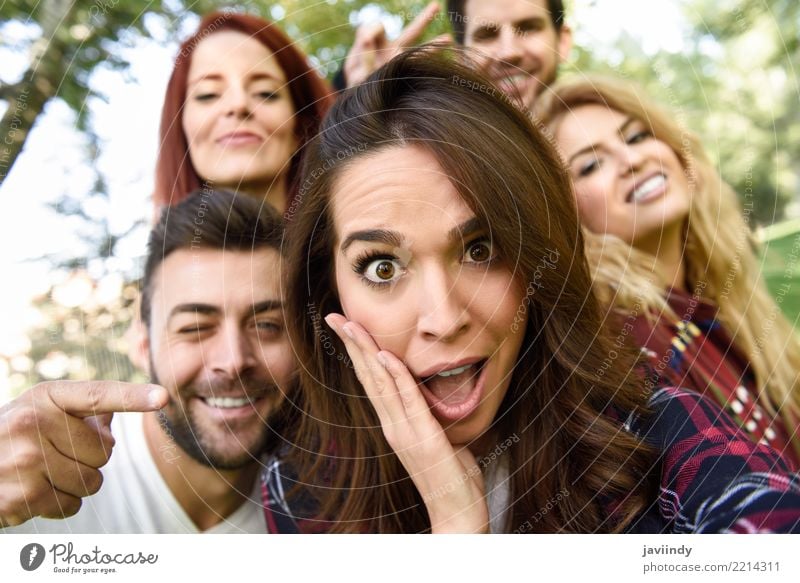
(135, 499)
(498, 494)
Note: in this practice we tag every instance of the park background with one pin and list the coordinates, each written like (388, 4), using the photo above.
(81, 85)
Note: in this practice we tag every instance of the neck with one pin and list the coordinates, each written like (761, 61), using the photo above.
(207, 495)
(667, 251)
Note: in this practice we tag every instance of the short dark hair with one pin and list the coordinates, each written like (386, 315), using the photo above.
(209, 219)
(458, 20)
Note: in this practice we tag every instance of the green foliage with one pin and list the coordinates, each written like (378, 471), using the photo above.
(734, 85)
(781, 270)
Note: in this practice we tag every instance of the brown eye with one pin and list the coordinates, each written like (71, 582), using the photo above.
(385, 270)
(480, 252)
(381, 270)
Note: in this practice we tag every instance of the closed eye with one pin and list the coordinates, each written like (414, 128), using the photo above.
(589, 166)
(639, 136)
(195, 332)
(269, 95)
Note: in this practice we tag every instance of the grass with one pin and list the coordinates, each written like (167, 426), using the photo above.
(781, 271)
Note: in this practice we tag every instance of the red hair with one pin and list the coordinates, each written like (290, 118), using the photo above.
(176, 177)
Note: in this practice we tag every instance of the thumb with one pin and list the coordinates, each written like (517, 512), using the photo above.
(90, 398)
(102, 425)
(100, 422)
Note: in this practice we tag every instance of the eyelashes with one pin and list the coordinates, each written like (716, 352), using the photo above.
(380, 269)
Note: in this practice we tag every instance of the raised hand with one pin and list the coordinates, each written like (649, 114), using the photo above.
(371, 49)
(54, 438)
(449, 480)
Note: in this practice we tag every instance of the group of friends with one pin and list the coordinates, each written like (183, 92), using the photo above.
(453, 295)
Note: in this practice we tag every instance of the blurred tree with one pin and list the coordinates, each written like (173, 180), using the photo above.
(74, 37)
(733, 83)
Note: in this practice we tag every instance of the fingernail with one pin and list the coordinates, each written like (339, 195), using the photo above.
(156, 397)
(346, 329)
(328, 321)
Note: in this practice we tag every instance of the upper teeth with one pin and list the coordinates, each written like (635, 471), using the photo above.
(226, 402)
(648, 186)
(452, 371)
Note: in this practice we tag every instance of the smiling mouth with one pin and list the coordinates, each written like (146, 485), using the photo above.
(227, 402)
(239, 139)
(649, 189)
(455, 393)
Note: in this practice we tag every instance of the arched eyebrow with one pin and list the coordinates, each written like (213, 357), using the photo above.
(391, 238)
(465, 230)
(219, 77)
(596, 146)
(395, 239)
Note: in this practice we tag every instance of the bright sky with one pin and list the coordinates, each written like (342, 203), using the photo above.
(54, 163)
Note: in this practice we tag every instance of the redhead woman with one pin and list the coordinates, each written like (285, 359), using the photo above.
(440, 302)
(240, 104)
(671, 253)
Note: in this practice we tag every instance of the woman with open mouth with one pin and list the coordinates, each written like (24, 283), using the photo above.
(452, 350)
(672, 254)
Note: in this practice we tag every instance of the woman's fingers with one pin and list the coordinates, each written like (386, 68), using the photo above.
(375, 391)
(446, 480)
(414, 404)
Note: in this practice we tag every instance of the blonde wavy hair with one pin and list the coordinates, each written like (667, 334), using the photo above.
(719, 250)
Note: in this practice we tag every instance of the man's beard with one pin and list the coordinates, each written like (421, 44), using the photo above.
(179, 424)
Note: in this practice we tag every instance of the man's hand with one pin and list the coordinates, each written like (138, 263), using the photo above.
(54, 438)
(371, 49)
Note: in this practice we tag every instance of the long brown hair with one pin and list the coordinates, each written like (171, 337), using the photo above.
(511, 177)
(719, 250)
(176, 177)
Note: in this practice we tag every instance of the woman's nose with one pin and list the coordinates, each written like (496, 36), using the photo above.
(442, 313)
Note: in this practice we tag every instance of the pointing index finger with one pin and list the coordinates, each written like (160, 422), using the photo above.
(90, 398)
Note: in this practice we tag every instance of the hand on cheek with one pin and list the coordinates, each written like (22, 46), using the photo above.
(449, 481)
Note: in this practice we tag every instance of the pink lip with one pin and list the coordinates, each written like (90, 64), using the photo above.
(437, 368)
(239, 139)
(454, 413)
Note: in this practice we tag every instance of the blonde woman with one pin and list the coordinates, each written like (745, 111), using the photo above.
(671, 252)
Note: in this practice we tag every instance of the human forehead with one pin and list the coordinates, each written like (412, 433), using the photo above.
(231, 52)
(480, 13)
(402, 189)
(230, 281)
(589, 123)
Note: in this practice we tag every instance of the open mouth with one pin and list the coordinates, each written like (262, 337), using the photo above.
(649, 189)
(455, 393)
